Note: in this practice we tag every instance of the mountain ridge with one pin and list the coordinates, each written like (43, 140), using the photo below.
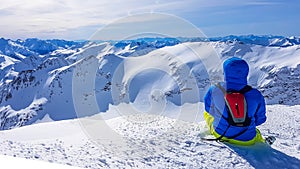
(119, 70)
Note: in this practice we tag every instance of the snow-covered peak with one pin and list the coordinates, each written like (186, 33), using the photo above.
(20, 49)
(267, 40)
(148, 72)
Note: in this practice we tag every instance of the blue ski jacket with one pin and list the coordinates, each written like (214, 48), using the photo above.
(235, 75)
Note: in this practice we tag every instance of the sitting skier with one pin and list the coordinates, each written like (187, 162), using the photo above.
(233, 109)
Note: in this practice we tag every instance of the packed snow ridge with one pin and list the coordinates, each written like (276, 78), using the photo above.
(61, 79)
(151, 141)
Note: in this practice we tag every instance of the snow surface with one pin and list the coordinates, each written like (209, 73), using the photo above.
(139, 101)
(144, 140)
(14, 162)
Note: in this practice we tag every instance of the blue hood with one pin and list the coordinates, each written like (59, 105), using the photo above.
(235, 73)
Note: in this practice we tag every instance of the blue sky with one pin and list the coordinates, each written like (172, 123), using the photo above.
(77, 19)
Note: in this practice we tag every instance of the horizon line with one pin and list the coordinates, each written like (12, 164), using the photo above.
(207, 37)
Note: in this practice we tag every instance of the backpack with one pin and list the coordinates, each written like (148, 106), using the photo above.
(236, 106)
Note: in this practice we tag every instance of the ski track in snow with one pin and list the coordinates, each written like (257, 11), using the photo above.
(151, 141)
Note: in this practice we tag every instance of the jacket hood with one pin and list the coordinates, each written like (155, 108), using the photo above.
(235, 73)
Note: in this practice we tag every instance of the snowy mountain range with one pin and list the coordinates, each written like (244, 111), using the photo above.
(149, 93)
(58, 79)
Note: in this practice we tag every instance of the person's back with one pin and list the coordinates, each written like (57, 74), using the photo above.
(235, 73)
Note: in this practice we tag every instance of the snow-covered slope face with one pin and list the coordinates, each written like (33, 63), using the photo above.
(273, 70)
(63, 80)
(151, 141)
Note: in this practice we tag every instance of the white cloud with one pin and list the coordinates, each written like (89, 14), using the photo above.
(21, 16)
(76, 19)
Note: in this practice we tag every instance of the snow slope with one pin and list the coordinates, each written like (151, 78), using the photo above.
(14, 162)
(140, 140)
(74, 77)
(139, 101)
